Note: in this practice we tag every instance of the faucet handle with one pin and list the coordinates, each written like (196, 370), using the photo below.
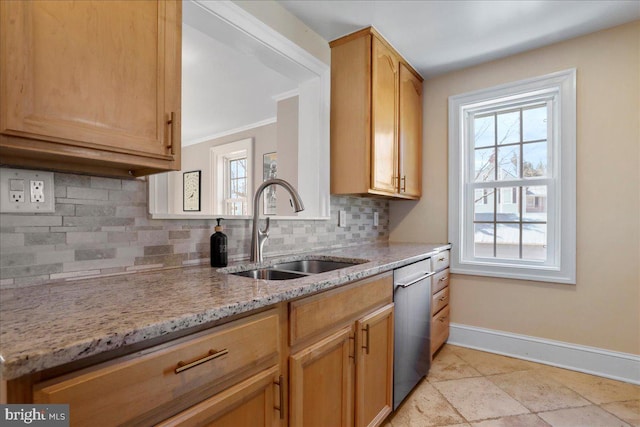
(265, 231)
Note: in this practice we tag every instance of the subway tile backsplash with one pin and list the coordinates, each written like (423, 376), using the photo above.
(101, 227)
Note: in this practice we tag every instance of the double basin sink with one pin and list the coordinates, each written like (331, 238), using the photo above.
(296, 269)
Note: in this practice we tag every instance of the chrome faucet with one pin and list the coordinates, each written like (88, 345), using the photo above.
(259, 236)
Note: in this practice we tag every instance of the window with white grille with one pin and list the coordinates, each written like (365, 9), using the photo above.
(512, 180)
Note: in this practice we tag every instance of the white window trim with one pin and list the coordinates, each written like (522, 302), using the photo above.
(218, 158)
(562, 268)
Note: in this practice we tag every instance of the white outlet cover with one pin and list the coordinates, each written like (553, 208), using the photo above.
(7, 205)
(342, 218)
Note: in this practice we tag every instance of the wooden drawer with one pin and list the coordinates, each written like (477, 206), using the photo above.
(148, 386)
(440, 300)
(320, 314)
(439, 281)
(440, 261)
(439, 329)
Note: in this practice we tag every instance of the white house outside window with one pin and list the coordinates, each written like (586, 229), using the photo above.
(512, 180)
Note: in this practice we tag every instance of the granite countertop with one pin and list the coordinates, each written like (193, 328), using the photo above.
(50, 325)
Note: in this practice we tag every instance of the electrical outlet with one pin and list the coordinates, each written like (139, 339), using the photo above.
(16, 196)
(37, 191)
(26, 191)
(342, 218)
(375, 219)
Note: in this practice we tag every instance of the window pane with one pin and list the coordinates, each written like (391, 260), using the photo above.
(534, 241)
(509, 127)
(233, 169)
(508, 240)
(534, 123)
(508, 208)
(483, 240)
(534, 159)
(484, 165)
(535, 208)
(242, 168)
(242, 187)
(509, 162)
(484, 131)
(483, 204)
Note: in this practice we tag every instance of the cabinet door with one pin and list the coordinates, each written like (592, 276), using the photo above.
(410, 133)
(252, 403)
(374, 367)
(384, 111)
(87, 75)
(321, 385)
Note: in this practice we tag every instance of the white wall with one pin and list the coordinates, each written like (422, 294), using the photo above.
(602, 309)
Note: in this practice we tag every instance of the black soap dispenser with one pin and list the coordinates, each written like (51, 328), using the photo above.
(218, 247)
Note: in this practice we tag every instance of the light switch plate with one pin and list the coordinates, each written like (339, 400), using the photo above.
(342, 218)
(26, 191)
(376, 219)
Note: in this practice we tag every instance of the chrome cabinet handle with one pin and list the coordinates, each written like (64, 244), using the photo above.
(441, 259)
(280, 384)
(443, 278)
(182, 366)
(366, 346)
(352, 338)
(172, 123)
(403, 188)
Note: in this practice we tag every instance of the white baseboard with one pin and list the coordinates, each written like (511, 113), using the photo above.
(610, 364)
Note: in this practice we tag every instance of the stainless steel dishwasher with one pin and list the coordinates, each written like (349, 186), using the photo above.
(412, 354)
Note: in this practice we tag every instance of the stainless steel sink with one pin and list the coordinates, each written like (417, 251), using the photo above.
(312, 266)
(269, 274)
(296, 269)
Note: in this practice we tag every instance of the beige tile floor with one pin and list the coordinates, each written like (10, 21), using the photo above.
(472, 388)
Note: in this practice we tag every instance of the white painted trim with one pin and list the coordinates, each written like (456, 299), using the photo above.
(561, 265)
(591, 360)
(265, 122)
(293, 61)
(286, 95)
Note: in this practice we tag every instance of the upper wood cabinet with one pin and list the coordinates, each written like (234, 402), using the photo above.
(376, 119)
(91, 86)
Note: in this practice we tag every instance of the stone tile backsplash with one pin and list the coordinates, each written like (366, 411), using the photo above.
(101, 227)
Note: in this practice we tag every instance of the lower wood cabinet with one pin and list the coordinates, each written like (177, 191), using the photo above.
(218, 370)
(344, 378)
(439, 301)
(251, 403)
(333, 368)
(374, 367)
(321, 382)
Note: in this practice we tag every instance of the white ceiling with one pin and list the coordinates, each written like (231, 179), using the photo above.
(224, 85)
(226, 88)
(439, 36)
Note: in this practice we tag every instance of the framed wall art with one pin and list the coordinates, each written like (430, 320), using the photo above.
(269, 170)
(191, 191)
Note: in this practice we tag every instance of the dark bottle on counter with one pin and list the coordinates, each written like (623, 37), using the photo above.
(218, 247)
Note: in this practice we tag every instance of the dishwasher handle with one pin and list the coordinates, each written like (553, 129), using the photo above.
(413, 282)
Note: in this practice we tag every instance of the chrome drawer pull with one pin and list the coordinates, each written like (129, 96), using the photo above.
(440, 259)
(443, 278)
(366, 346)
(280, 384)
(174, 129)
(442, 319)
(442, 298)
(212, 355)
